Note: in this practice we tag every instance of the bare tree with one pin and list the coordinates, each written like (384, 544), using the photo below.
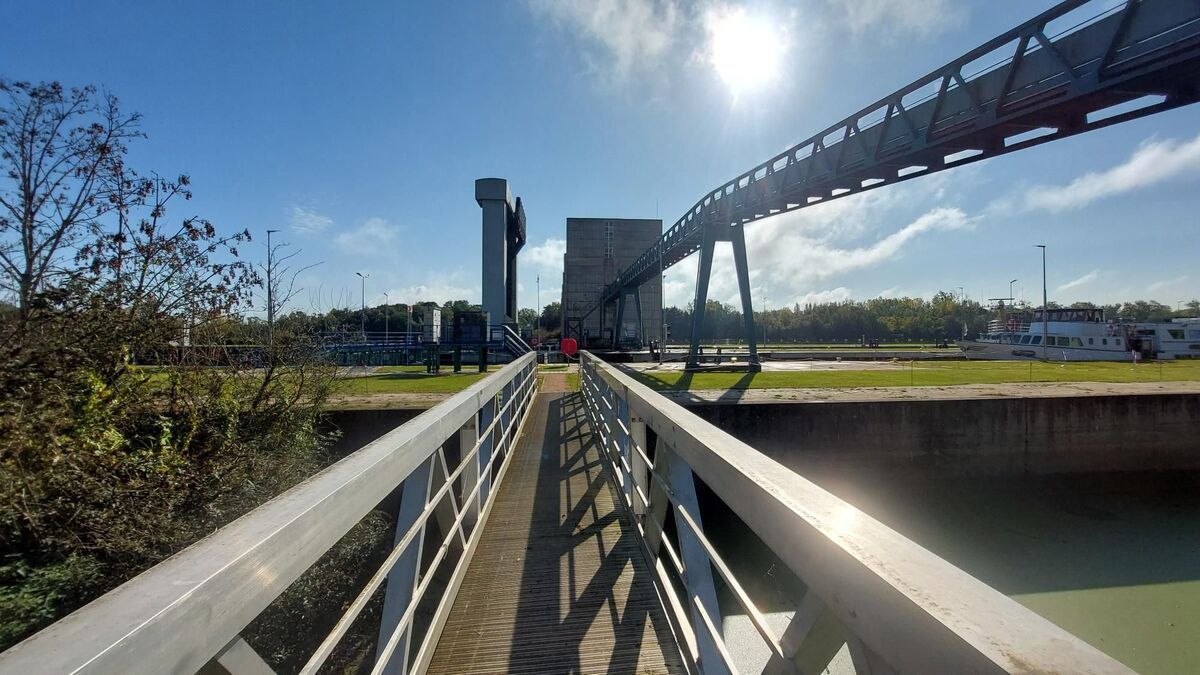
(62, 152)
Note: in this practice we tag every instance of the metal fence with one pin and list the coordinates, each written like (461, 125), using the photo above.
(186, 613)
(895, 606)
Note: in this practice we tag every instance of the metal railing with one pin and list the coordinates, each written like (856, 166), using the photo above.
(896, 606)
(187, 612)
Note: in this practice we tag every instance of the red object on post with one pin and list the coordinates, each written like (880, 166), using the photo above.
(569, 346)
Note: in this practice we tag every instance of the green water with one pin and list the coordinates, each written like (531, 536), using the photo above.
(1114, 559)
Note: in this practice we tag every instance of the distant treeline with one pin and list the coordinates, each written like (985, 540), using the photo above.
(945, 316)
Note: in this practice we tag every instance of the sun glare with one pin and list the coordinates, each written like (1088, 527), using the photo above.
(746, 50)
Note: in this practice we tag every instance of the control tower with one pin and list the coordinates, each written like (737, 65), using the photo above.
(503, 237)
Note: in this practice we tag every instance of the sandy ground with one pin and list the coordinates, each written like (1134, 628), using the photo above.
(781, 366)
(933, 393)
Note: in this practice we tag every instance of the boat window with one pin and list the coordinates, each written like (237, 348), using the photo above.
(1076, 342)
(1064, 342)
(1037, 340)
(1118, 340)
(1091, 341)
(1104, 341)
(1176, 334)
(1025, 339)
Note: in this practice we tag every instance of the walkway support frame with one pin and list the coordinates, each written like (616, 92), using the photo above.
(896, 606)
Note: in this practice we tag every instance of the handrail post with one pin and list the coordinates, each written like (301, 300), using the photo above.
(468, 435)
(403, 578)
(641, 478)
(697, 571)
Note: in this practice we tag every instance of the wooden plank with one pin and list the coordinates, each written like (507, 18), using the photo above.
(558, 583)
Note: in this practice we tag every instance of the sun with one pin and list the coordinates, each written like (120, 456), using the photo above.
(745, 50)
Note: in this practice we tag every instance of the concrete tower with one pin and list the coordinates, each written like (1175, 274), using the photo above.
(503, 237)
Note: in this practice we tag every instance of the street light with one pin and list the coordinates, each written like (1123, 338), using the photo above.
(1045, 305)
(764, 319)
(386, 303)
(1010, 295)
(363, 297)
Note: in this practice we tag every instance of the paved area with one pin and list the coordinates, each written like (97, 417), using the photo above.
(933, 393)
(558, 583)
(781, 366)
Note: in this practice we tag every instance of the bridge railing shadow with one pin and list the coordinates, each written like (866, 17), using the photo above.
(586, 599)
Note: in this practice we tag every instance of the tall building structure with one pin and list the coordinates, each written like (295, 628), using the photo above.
(503, 237)
(597, 250)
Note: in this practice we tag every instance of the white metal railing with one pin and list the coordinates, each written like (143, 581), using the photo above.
(188, 611)
(514, 342)
(896, 606)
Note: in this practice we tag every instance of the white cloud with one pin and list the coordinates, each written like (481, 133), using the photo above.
(546, 256)
(652, 40)
(839, 294)
(374, 237)
(622, 38)
(1154, 161)
(439, 291)
(889, 19)
(1081, 281)
(307, 221)
(1166, 284)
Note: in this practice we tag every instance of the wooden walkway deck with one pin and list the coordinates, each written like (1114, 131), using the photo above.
(558, 583)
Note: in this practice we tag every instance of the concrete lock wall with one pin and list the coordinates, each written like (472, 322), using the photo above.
(982, 437)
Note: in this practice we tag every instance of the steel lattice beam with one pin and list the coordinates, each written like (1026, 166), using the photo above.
(1040, 85)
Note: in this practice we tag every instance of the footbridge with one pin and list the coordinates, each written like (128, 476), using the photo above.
(1080, 66)
(537, 529)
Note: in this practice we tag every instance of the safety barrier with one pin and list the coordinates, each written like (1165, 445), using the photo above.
(186, 613)
(896, 606)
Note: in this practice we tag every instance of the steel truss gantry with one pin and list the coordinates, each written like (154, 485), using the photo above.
(1020, 89)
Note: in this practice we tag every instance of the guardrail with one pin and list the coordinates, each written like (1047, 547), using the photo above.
(187, 612)
(896, 606)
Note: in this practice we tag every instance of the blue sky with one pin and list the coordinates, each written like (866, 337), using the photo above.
(359, 128)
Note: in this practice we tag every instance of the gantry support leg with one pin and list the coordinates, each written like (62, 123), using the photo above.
(619, 325)
(703, 272)
(734, 235)
(637, 307)
(738, 239)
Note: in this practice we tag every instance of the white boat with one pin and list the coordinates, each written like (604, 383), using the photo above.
(1176, 339)
(1072, 335)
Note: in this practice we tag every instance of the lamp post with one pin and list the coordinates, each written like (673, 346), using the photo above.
(1010, 295)
(764, 319)
(270, 290)
(386, 332)
(1045, 307)
(539, 307)
(363, 297)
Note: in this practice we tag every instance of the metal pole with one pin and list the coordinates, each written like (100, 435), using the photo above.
(386, 332)
(1045, 305)
(363, 297)
(1010, 295)
(539, 307)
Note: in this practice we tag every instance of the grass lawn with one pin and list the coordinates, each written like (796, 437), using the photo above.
(918, 373)
(405, 382)
(418, 368)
